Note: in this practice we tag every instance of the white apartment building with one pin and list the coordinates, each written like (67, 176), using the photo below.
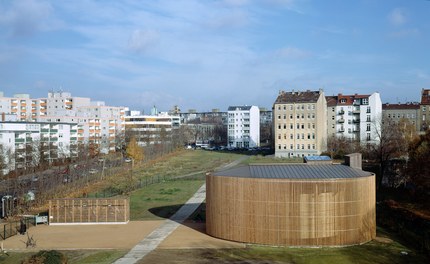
(25, 144)
(97, 123)
(58, 101)
(150, 129)
(356, 117)
(300, 123)
(243, 126)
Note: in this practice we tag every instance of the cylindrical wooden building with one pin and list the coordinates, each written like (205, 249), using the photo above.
(294, 205)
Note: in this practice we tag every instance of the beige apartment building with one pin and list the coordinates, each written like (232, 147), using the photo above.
(300, 123)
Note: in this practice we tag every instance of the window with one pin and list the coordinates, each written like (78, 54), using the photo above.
(368, 127)
(279, 107)
(303, 146)
(285, 107)
(291, 126)
(303, 126)
(291, 136)
(279, 117)
(279, 136)
(285, 126)
(309, 146)
(291, 116)
(368, 118)
(313, 135)
(285, 136)
(368, 110)
(365, 101)
(279, 146)
(298, 136)
(303, 136)
(291, 146)
(298, 126)
(279, 126)
(285, 116)
(285, 146)
(368, 136)
(343, 100)
(309, 136)
(298, 146)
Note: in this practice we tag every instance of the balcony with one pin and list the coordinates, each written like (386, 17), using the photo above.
(341, 130)
(341, 112)
(356, 111)
(341, 120)
(356, 121)
(19, 140)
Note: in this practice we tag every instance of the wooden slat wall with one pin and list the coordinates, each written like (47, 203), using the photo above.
(291, 212)
(83, 210)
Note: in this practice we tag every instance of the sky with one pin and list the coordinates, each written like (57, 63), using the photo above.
(206, 54)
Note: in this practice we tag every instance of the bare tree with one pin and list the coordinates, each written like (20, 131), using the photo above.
(390, 143)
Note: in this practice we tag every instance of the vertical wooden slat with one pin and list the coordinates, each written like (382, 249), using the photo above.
(291, 212)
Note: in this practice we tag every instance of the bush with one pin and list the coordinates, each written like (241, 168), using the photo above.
(47, 257)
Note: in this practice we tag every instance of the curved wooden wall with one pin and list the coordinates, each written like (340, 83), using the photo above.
(291, 212)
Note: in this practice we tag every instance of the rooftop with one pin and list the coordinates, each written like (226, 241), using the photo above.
(298, 97)
(294, 171)
(239, 108)
(407, 106)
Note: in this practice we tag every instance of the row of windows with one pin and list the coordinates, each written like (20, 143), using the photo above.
(401, 116)
(298, 116)
(298, 107)
(298, 126)
(297, 146)
(298, 136)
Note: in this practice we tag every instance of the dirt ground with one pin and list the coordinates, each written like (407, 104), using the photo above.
(124, 236)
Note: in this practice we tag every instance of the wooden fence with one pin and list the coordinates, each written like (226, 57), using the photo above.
(89, 211)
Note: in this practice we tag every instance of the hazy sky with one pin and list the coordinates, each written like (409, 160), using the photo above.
(212, 54)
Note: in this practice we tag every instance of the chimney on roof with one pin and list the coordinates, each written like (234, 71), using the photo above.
(354, 160)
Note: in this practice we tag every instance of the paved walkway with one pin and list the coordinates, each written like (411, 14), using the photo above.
(152, 241)
(157, 236)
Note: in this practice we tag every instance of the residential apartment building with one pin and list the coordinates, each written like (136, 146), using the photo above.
(97, 123)
(300, 123)
(397, 112)
(25, 144)
(243, 126)
(59, 101)
(424, 113)
(151, 129)
(355, 117)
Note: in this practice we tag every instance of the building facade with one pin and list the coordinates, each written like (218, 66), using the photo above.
(243, 126)
(355, 117)
(300, 123)
(148, 129)
(424, 113)
(398, 112)
(26, 144)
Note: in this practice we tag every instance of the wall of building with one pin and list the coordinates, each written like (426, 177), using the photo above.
(334, 212)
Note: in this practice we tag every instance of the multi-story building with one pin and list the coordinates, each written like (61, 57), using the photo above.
(59, 101)
(149, 129)
(243, 126)
(26, 144)
(424, 113)
(99, 124)
(355, 117)
(300, 123)
(266, 127)
(397, 112)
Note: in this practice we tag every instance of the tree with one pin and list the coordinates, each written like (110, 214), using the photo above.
(338, 147)
(419, 163)
(135, 151)
(391, 143)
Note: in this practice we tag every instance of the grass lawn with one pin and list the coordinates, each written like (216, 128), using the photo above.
(375, 252)
(271, 159)
(73, 256)
(161, 200)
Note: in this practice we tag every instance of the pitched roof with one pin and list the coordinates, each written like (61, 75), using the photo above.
(407, 106)
(298, 97)
(294, 171)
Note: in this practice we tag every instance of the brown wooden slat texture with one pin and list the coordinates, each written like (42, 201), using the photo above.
(317, 212)
(89, 210)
